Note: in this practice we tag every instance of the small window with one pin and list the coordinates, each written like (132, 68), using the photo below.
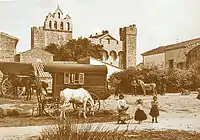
(50, 26)
(68, 26)
(108, 40)
(66, 78)
(171, 63)
(55, 24)
(61, 25)
(81, 78)
(181, 65)
(74, 78)
(58, 15)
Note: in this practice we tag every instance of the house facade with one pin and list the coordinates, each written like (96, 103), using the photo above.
(118, 53)
(193, 56)
(170, 56)
(8, 45)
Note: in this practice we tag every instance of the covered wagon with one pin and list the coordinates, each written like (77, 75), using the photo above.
(74, 76)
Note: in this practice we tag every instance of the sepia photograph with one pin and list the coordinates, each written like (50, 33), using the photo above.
(99, 70)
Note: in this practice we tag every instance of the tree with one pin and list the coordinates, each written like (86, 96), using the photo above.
(75, 49)
(54, 49)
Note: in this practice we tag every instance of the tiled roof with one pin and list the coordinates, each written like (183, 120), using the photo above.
(100, 36)
(180, 45)
(40, 70)
(97, 36)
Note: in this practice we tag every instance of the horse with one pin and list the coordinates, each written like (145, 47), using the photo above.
(29, 83)
(148, 87)
(16, 81)
(75, 96)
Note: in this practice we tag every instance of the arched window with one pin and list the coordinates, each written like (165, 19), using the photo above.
(50, 26)
(58, 15)
(105, 55)
(55, 24)
(68, 26)
(113, 54)
(61, 25)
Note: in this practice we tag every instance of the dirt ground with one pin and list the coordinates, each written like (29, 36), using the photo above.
(173, 107)
(177, 112)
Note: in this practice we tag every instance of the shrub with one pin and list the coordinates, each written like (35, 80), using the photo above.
(70, 130)
(175, 80)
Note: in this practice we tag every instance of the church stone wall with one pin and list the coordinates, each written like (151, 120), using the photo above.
(60, 38)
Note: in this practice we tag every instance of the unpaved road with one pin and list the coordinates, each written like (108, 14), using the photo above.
(177, 112)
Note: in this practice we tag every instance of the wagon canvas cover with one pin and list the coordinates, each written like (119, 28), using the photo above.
(15, 67)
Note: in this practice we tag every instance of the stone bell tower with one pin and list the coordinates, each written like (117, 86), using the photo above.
(128, 36)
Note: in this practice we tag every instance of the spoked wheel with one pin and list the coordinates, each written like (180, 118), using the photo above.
(51, 107)
(6, 89)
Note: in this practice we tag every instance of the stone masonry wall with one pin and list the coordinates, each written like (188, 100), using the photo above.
(128, 36)
(40, 38)
(37, 37)
(34, 55)
(57, 37)
(7, 48)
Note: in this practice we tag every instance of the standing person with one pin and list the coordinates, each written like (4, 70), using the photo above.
(140, 114)
(154, 112)
(117, 87)
(122, 108)
(134, 87)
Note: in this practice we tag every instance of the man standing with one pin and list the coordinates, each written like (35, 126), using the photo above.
(134, 87)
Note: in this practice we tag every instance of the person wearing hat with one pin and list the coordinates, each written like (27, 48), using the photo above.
(154, 112)
(122, 108)
(140, 114)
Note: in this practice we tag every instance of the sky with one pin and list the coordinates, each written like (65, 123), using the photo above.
(158, 22)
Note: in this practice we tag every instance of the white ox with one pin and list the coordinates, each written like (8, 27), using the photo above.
(68, 96)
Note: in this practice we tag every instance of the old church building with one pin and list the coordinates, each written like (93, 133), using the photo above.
(57, 29)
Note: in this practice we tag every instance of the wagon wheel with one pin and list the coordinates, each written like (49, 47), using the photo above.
(51, 108)
(6, 88)
(96, 103)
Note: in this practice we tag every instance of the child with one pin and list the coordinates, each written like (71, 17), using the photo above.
(154, 112)
(122, 108)
(140, 114)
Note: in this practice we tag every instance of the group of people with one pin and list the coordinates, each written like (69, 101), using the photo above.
(140, 115)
